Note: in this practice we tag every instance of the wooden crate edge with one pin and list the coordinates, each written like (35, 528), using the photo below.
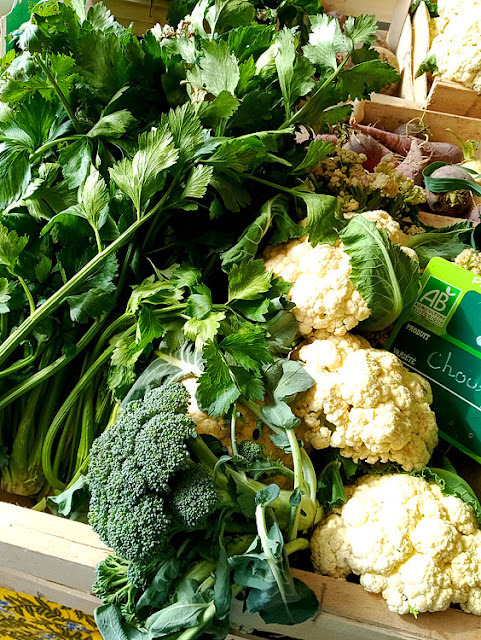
(347, 603)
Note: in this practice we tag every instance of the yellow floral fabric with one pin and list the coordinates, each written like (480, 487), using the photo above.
(25, 617)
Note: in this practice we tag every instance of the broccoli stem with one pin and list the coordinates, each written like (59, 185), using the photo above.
(267, 548)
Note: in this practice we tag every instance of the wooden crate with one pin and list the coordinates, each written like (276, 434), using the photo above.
(390, 112)
(55, 559)
(443, 95)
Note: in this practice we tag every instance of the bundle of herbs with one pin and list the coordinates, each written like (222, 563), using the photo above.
(120, 157)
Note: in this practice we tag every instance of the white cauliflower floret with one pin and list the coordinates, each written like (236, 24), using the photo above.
(405, 540)
(457, 42)
(366, 403)
(322, 290)
(469, 259)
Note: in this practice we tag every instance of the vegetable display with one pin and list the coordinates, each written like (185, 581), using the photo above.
(192, 224)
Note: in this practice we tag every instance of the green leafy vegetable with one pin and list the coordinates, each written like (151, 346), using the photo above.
(385, 276)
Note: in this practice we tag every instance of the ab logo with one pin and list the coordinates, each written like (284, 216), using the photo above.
(436, 300)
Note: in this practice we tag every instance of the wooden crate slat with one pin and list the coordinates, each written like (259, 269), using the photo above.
(391, 112)
(421, 44)
(56, 558)
(382, 9)
(454, 98)
(403, 51)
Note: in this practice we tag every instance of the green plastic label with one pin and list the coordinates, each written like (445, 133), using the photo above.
(440, 339)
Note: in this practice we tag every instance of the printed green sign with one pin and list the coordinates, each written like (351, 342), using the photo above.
(440, 339)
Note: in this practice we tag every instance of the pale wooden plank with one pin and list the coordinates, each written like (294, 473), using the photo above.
(47, 590)
(382, 9)
(421, 44)
(399, 21)
(55, 549)
(46, 554)
(390, 112)
(453, 97)
(403, 53)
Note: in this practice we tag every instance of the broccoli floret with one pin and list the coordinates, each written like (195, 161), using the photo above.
(114, 587)
(195, 497)
(251, 451)
(135, 474)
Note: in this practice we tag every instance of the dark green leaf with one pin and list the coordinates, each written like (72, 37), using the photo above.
(112, 125)
(429, 65)
(365, 78)
(322, 223)
(175, 617)
(317, 152)
(445, 242)
(222, 586)
(158, 591)
(444, 185)
(75, 161)
(109, 622)
(248, 279)
(330, 486)
(248, 350)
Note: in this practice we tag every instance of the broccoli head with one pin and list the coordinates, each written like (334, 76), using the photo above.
(144, 485)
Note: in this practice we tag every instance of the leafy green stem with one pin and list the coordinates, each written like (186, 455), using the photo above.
(233, 437)
(31, 301)
(59, 92)
(17, 336)
(57, 422)
(51, 143)
(267, 549)
(298, 483)
(46, 372)
(300, 112)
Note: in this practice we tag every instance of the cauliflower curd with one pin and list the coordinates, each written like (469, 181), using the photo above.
(469, 259)
(322, 290)
(406, 540)
(457, 41)
(366, 403)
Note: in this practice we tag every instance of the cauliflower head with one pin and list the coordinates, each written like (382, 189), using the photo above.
(322, 290)
(406, 540)
(366, 403)
(469, 259)
(457, 42)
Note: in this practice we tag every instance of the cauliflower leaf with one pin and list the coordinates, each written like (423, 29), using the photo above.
(385, 276)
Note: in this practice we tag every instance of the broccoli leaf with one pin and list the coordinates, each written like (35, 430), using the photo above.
(384, 275)
(109, 622)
